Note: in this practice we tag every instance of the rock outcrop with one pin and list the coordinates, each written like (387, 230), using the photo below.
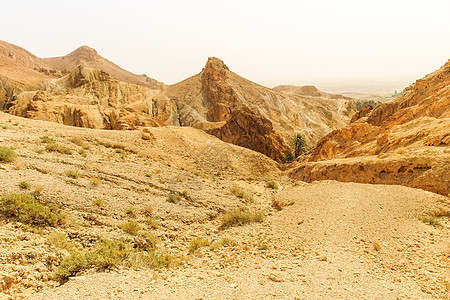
(411, 132)
(245, 128)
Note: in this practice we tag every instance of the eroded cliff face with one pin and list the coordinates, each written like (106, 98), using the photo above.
(403, 141)
(91, 98)
(245, 128)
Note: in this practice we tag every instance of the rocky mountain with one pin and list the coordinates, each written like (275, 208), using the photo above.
(225, 104)
(404, 140)
(86, 90)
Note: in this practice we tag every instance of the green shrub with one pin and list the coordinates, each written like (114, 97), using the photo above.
(299, 145)
(152, 223)
(175, 199)
(238, 192)
(7, 154)
(99, 202)
(27, 210)
(53, 147)
(431, 220)
(47, 140)
(131, 227)
(272, 184)
(197, 243)
(240, 216)
(289, 157)
(73, 174)
(82, 152)
(148, 211)
(131, 212)
(24, 185)
(61, 241)
(110, 253)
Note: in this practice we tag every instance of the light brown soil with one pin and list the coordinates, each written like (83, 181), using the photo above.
(321, 245)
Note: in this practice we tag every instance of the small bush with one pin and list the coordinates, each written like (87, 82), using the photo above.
(53, 147)
(197, 243)
(24, 185)
(77, 141)
(7, 154)
(262, 245)
(4, 127)
(27, 210)
(39, 150)
(47, 140)
(99, 202)
(272, 184)
(431, 220)
(240, 216)
(441, 212)
(61, 241)
(131, 227)
(289, 157)
(175, 199)
(152, 223)
(111, 253)
(82, 152)
(131, 212)
(148, 211)
(148, 175)
(238, 192)
(225, 242)
(73, 174)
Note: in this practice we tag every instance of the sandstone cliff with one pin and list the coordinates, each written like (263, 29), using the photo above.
(402, 141)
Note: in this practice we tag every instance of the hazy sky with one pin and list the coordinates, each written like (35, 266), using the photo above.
(270, 42)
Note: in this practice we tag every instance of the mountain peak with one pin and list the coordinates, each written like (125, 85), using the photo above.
(215, 64)
(85, 52)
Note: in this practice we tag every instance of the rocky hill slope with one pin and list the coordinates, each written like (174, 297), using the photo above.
(163, 201)
(405, 140)
(85, 90)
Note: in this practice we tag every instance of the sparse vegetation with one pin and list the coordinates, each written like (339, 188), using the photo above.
(360, 104)
(27, 210)
(75, 174)
(111, 253)
(148, 175)
(152, 223)
(47, 140)
(431, 220)
(24, 185)
(272, 184)
(82, 152)
(262, 245)
(148, 211)
(172, 198)
(131, 227)
(237, 191)
(54, 147)
(241, 216)
(288, 158)
(7, 154)
(99, 202)
(131, 212)
(4, 127)
(39, 150)
(61, 241)
(197, 243)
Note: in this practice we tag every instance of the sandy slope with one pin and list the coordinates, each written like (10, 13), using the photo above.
(320, 246)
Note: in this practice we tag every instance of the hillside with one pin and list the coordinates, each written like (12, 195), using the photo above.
(401, 141)
(84, 89)
(321, 240)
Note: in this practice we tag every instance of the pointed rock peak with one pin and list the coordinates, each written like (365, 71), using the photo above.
(215, 64)
(84, 52)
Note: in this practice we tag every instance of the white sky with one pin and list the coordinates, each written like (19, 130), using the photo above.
(337, 44)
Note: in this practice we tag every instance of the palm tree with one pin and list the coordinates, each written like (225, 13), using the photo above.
(299, 144)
